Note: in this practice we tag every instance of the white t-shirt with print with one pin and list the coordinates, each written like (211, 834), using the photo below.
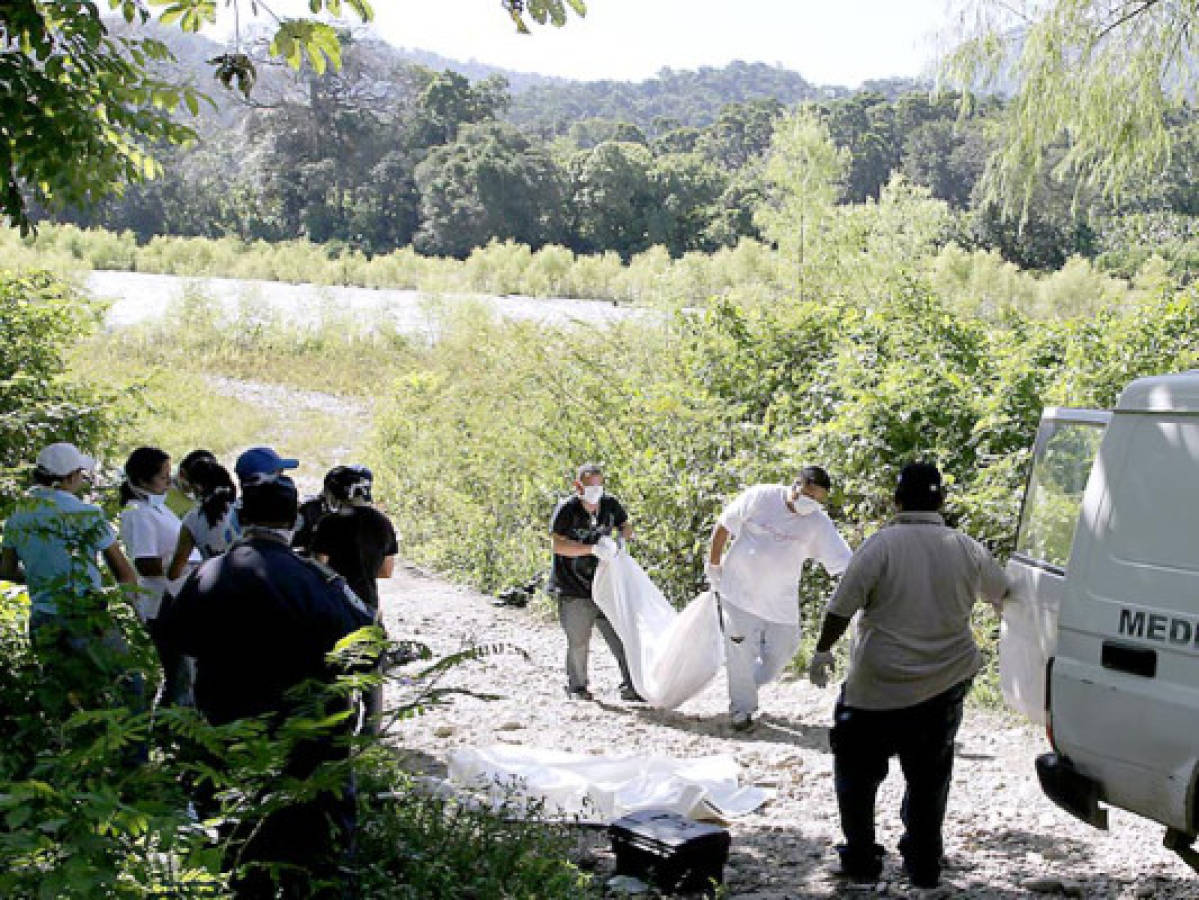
(763, 567)
(212, 540)
(150, 531)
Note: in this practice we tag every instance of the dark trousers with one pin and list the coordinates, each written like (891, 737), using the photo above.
(295, 852)
(863, 740)
(578, 616)
(372, 696)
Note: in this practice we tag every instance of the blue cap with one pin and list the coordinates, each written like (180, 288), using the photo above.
(261, 463)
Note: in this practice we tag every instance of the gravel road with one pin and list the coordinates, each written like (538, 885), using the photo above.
(1003, 837)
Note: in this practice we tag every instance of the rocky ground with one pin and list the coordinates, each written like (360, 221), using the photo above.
(1003, 837)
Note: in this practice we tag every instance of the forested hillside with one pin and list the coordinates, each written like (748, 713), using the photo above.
(670, 100)
(387, 153)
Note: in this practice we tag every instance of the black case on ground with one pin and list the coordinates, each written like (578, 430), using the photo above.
(669, 850)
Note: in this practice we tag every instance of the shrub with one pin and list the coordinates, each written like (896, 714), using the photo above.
(41, 318)
(86, 811)
(490, 422)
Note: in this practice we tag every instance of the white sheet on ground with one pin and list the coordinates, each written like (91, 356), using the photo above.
(672, 656)
(606, 787)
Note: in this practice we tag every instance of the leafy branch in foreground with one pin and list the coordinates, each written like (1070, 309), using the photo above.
(75, 91)
(1102, 78)
(542, 11)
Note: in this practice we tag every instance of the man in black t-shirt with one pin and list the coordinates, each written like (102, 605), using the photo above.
(582, 529)
(312, 510)
(355, 540)
(359, 543)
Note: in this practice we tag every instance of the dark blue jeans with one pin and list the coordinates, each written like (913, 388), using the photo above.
(863, 741)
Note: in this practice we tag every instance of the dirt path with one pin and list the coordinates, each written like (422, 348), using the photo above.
(322, 429)
(1003, 838)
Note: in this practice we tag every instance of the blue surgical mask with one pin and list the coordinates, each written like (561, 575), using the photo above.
(592, 493)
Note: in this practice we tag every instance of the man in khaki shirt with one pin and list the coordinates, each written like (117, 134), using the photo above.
(913, 586)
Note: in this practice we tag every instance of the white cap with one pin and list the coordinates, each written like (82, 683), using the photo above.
(63, 459)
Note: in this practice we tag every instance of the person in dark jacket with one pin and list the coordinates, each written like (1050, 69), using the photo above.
(259, 621)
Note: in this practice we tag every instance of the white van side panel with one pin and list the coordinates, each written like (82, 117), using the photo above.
(1125, 686)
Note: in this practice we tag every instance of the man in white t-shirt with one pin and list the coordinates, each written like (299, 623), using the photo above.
(775, 528)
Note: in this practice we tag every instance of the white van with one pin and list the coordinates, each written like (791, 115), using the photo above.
(1100, 638)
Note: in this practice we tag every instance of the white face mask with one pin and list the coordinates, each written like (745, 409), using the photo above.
(151, 499)
(592, 493)
(804, 505)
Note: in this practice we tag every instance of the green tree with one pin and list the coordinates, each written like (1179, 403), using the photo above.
(1106, 76)
(688, 189)
(73, 93)
(864, 125)
(801, 183)
(450, 101)
(492, 183)
(946, 157)
(614, 197)
(741, 133)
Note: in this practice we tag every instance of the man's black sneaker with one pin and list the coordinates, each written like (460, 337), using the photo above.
(858, 876)
(579, 694)
(743, 723)
(629, 694)
(922, 876)
(859, 867)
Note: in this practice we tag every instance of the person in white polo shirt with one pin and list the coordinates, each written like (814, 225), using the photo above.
(775, 528)
(150, 531)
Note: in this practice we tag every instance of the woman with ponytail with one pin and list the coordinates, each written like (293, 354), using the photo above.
(149, 531)
(211, 525)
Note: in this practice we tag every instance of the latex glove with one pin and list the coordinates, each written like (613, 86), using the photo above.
(605, 548)
(714, 572)
(820, 668)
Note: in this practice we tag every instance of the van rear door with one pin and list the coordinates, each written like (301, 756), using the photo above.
(1065, 449)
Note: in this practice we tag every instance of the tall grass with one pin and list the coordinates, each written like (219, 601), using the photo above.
(200, 378)
(974, 282)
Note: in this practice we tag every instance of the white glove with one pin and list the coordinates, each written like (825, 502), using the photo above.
(605, 548)
(820, 668)
(714, 572)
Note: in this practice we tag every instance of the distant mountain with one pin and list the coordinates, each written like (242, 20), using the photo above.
(540, 103)
(475, 70)
(689, 98)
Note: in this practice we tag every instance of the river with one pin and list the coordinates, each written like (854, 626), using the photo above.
(140, 297)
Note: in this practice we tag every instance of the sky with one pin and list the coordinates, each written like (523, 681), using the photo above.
(842, 42)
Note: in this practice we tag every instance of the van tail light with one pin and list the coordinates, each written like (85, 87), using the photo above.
(1049, 703)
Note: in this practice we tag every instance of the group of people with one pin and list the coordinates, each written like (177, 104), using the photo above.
(241, 604)
(245, 596)
(910, 587)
